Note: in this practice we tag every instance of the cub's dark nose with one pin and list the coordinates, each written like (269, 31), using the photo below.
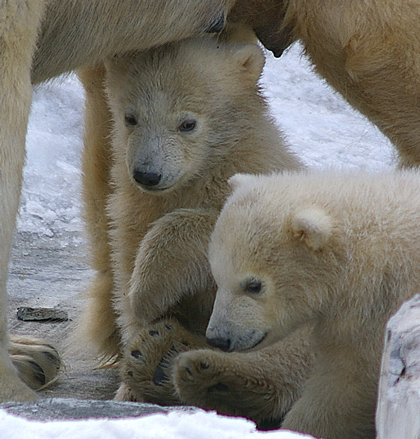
(221, 343)
(217, 25)
(146, 178)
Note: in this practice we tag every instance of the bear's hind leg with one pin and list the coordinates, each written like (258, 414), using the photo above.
(19, 22)
(96, 330)
(337, 403)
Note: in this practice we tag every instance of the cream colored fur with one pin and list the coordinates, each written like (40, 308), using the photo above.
(335, 250)
(368, 51)
(278, 23)
(68, 35)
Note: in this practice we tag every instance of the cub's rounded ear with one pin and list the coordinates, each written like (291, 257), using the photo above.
(313, 227)
(241, 180)
(251, 60)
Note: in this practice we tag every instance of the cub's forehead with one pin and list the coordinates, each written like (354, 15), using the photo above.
(237, 240)
(169, 63)
(171, 87)
(169, 103)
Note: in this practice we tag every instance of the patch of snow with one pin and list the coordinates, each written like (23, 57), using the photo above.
(175, 425)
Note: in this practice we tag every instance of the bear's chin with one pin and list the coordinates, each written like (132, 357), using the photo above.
(260, 343)
(158, 190)
(155, 190)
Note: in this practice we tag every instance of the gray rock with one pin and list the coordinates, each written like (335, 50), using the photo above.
(71, 409)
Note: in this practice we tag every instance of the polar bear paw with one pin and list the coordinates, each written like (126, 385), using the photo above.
(200, 378)
(38, 363)
(148, 358)
(214, 380)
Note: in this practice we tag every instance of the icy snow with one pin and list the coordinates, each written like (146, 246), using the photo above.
(175, 425)
(320, 127)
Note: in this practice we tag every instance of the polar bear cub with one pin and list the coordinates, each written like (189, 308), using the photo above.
(340, 251)
(187, 117)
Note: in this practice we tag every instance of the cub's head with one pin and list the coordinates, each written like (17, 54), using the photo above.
(179, 109)
(273, 255)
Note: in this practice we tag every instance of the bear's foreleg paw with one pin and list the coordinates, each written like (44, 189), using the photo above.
(214, 380)
(146, 365)
(199, 380)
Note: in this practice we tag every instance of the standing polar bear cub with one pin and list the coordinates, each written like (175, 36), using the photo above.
(339, 251)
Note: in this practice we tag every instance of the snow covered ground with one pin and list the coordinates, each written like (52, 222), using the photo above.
(175, 425)
(321, 128)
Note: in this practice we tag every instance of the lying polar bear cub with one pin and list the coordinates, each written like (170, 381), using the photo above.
(339, 251)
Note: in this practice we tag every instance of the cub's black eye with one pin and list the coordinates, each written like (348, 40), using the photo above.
(130, 120)
(187, 125)
(252, 285)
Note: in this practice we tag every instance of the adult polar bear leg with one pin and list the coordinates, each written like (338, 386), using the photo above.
(97, 325)
(19, 21)
(37, 361)
(367, 51)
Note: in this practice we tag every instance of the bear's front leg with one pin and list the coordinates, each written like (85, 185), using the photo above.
(172, 263)
(19, 24)
(37, 362)
(261, 385)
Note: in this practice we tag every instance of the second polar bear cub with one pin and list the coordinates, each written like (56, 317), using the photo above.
(340, 251)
